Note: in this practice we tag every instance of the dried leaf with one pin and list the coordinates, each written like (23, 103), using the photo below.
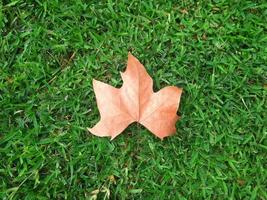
(135, 101)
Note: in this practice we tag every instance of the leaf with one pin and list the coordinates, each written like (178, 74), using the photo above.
(135, 101)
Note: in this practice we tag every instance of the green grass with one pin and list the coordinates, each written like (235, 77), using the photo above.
(51, 51)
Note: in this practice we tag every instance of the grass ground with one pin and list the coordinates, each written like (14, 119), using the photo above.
(50, 51)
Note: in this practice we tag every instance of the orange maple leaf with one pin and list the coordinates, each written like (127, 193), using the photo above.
(135, 101)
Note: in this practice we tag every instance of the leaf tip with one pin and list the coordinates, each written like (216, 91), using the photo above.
(161, 137)
(89, 130)
(94, 81)
(131, 56)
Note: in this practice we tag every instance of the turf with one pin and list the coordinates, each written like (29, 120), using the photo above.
(49, 53)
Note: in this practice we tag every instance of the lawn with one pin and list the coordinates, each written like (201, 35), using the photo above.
(49, 53)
